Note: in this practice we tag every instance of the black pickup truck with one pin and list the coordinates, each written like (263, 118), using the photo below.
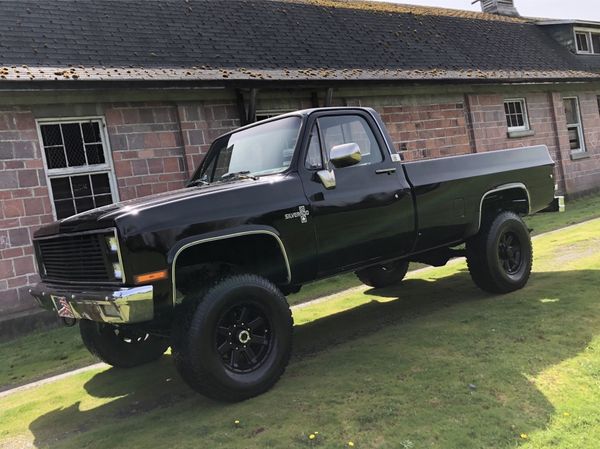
(275, 205)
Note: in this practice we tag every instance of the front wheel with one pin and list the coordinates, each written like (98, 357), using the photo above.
(500, 255)
(121, 347)
(234, 341)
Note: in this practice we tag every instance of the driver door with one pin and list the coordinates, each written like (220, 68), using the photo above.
(368, 216)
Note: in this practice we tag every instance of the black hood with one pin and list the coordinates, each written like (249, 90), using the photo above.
(106, 216)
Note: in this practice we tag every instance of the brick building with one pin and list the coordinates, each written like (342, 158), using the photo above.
(103, 101)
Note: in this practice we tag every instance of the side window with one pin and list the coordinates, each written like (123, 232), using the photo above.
(337, 130)
(313, 155)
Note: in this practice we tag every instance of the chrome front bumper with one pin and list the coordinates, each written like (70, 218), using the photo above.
(123, 305)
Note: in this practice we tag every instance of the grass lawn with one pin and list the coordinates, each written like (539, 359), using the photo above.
(431, 363)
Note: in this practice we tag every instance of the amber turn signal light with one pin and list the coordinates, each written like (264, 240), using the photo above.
(150, 277)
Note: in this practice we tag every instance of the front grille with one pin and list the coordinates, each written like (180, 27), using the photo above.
(75, 258)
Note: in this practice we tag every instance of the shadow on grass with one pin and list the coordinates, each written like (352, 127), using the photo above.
(461, 320)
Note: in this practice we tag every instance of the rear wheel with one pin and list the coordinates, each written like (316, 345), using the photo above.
(121, 347)
(384, 275)
(500, 255)
(235, 341)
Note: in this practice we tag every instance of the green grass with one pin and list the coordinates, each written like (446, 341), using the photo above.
(431, 363)
(41, 354)
(582, 209)
(59, 350)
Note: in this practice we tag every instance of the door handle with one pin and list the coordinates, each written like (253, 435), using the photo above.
(383, 171)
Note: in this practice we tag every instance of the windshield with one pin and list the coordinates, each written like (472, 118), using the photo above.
(261, 150)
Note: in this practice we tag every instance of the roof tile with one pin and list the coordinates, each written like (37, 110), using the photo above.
(270, 39)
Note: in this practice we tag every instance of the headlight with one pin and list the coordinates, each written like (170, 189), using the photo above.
(118, 272)
(112, 244)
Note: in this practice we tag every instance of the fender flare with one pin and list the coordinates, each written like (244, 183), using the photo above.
(184, 244)
(510, 186)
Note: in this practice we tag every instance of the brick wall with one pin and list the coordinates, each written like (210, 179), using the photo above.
(548, 123)
(583, 174)
(427, 130)
(147, 148)
(24, 206)
(152, 150)
(201, 123)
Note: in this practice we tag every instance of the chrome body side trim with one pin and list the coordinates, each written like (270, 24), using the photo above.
(514, 185)
(223, 237)
(116, 306)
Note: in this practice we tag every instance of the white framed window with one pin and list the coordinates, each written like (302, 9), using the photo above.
(574, 126)
(78, 164)
(587, 41)
(517, 118)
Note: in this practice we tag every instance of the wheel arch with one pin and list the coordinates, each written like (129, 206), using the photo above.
(512, 197)
(236, 243)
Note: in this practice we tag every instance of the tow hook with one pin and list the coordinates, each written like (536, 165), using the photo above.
(68, 322)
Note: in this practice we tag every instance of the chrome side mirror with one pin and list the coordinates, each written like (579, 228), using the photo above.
(327, 178)
(345, 155)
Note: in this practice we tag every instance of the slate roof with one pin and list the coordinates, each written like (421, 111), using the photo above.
(208, 40)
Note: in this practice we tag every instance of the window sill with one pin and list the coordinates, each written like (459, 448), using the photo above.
(519, 134)
(579, 155)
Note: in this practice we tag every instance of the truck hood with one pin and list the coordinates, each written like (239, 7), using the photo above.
(105, 217)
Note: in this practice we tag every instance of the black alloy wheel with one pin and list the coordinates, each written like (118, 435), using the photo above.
(244, 337)
(510, 253)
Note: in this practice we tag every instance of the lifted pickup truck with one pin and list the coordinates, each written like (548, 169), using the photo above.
(273, 206)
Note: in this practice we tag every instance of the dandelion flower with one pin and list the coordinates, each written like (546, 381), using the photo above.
(312, 436)
(524, 436)
(350, 443)
(237, 422)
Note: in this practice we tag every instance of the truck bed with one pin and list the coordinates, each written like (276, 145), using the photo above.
(448, 192)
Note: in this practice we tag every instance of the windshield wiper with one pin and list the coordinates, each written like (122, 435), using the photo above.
(238, 175)
(197, 182)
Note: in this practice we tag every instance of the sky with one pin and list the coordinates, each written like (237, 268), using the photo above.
(562, 9)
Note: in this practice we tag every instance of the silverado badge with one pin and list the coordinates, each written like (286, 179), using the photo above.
(302, 214)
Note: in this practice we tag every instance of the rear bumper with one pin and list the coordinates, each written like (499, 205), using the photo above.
(108, 305)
